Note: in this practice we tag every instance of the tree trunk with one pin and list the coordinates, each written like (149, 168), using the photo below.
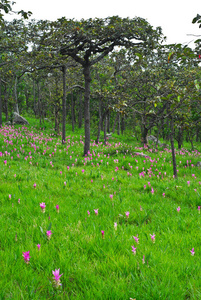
(72, 112)
(108, 122)
(119, 124)
(105, 130)
(6, 102)
(114, 125)
(80, 111)
(0, 105)
(34, 97)
(179, 138)
(100, 120)
(144, 135)
(172, 147)
(16, 108)
(122, 124)
(87, 78)
(64, 106)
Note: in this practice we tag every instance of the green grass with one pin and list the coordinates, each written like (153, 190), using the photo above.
(94, 267)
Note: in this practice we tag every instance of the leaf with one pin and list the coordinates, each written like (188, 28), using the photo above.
(49, 227)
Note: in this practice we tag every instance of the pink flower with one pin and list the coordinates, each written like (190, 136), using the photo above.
(143, 260)
(164, 195)
(115, 225)
(102, 232)
(96, 211)
(134, 249)
(178, 208)
(83, 171)
(188, 182)
(9, 196)
(38, 247)
(192, 251)
(57, 277)
(88, 212)
(42, 205)
(65, 183)
(49, 233)
(5, 162)
(136, 238)
(34, 185)
(57, 208)
(111, 196)
(153, 237)
(127, 214)
(199, 209)
(152, 190)
(26, 257)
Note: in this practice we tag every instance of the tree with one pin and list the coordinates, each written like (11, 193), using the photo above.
(88, 41)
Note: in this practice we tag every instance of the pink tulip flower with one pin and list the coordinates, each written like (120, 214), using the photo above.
(57, 277)
(26, 257)
(192, 251)
(134, 249)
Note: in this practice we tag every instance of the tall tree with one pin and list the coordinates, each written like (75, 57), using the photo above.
(88, 41)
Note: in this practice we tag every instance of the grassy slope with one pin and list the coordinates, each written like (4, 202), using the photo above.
(93, 267)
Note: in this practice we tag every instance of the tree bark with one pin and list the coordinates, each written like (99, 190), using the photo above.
(145, 135)
(0, 105)
(87, 79)
(172, 147)
(16, 108)
(100, 120)
(115, 122)
(72, 112)
(80, 110)
(64, 106)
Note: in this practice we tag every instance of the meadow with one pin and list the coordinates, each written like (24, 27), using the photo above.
(113, 224)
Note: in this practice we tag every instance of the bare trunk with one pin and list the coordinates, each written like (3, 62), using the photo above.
(100, 120)
(105, 130)
(114, 125)
(72, 112)
(87, 78)
(64, 106)
(16, 108)
(80, 110)
(172, 148)
(144, 135)
(0, 105)
(119, 123)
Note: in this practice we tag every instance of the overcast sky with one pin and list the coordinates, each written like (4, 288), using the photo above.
(174, 16)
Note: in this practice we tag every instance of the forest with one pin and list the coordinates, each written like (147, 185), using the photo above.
(100, 156)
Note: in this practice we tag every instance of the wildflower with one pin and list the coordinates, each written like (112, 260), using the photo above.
(136, 238)
(102, 232)
(88, 212)
(57, 277)
(34, 185)
(188, 182)
(192, 251)
(49, 233)
(26, 257)
(164, 195)
(199, 209)
(65, 183)
(38, 247)
(57, 208)
(19, 201)
(134, 249)
(127, 214)
(178, 208)
(9, 196)
(83, 171)
(115, 225)
(143, 260)
(42, 205)
(152, 190)
(153, 237)
(145, 186)
(5, 162)
(96, 211)
(111, 196)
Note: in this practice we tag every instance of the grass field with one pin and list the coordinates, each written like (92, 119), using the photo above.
(119, 225)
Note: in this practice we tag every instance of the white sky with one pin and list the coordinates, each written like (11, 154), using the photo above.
(174, 16)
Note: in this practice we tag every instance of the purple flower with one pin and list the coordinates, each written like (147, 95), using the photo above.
(192, 251)
(199, 209)
(49, 233)
(102, 232)
(111, 196)
(42, 205)
(178, 208)
(127, 214)
(34, 185)
(38, 246)
(26, 257)
(57, 208)
(88, 212)
(56, 277)
(96, 211)
(136, 238)
(134, 249)
(153, 237)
